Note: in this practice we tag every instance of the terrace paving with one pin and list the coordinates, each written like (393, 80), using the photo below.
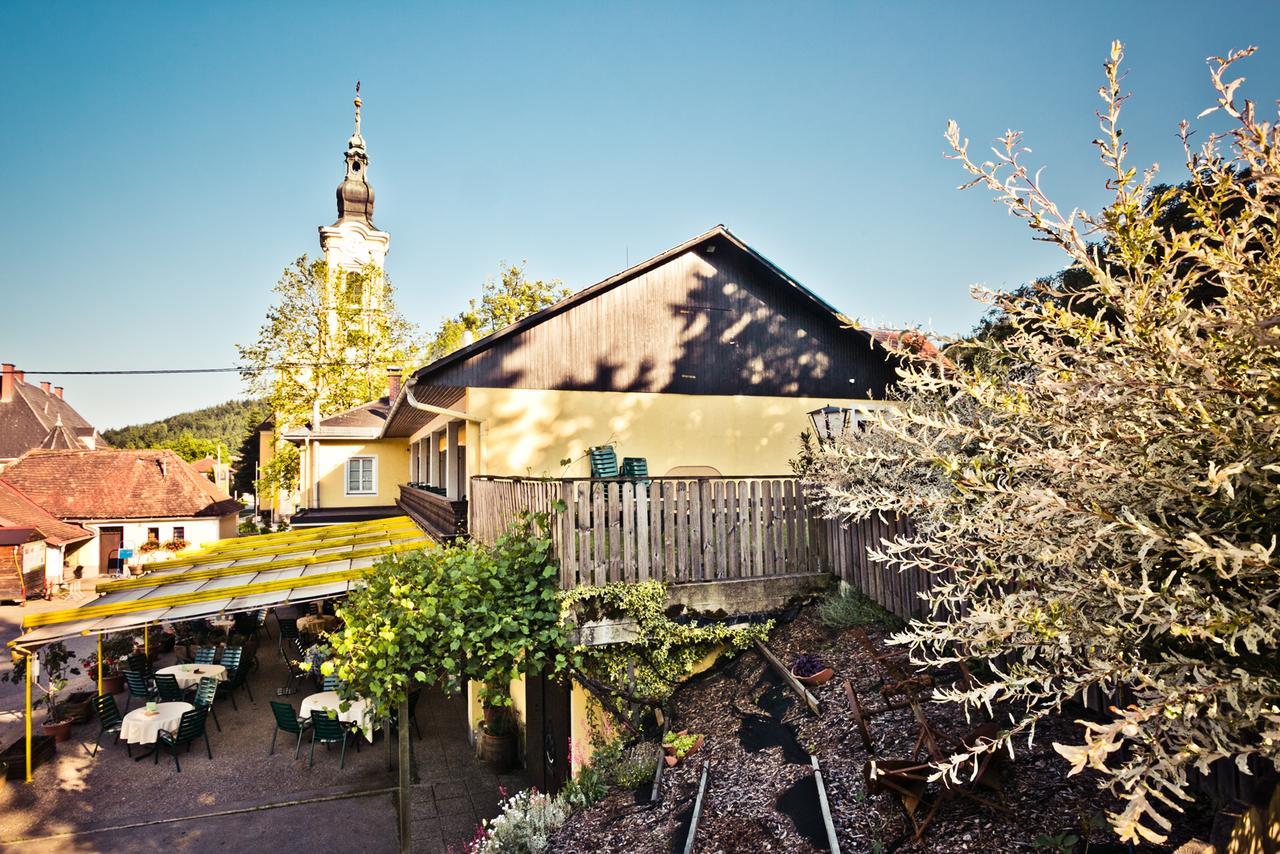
(244, 798)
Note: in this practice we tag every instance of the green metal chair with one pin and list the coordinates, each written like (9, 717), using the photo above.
(328, 730)
(190, 727)
(138, 687)
(287, 720)
(236, 678)
(206, 693)
(167, 688)
(604, 462)
(206, 655)
(635, 467)
(331, 683)
(109, 720)
(288, 630)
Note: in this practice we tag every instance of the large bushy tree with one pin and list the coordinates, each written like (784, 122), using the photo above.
(322, 346)
(503, 301)
(1099, 490)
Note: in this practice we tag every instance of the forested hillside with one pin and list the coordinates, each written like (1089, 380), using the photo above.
(193, 435)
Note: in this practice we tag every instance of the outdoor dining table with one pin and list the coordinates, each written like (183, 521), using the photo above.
(314, 624)
(358, 712)
(139, 727)
(189, 675)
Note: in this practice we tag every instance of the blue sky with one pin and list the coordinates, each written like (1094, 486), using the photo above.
(164, 162)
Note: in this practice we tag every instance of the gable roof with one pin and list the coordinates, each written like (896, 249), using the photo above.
(116, 484)
(746, 305)
(36, 418)
(17, 510)
(359, 422)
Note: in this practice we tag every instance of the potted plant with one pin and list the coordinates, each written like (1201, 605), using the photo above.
(678, 745)
(57, 667)
(496, 742)
(115, 649)
(811, 670)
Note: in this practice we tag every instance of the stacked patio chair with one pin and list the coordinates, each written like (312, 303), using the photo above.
(604, 462)
(329, 730)
(109, 720)
(167, 688)
(190, 727)
(206, 693)
(138, 687)
(637, 467)
(287, 720)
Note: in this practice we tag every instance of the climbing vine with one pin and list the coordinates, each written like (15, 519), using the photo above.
(647, 668)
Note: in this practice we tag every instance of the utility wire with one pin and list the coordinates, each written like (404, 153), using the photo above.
(206, 370)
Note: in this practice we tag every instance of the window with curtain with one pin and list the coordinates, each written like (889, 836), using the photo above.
(361, 476)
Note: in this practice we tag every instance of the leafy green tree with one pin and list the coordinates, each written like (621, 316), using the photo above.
(1101, 511)
(248, 453)
(281, 473)
(321, 346)
(503, 301)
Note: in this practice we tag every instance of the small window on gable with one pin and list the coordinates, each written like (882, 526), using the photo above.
(362, 476)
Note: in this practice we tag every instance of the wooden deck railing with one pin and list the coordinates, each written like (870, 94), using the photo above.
(670, 529)
(436, 514)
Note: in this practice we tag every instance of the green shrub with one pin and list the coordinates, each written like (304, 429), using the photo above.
(848, 607)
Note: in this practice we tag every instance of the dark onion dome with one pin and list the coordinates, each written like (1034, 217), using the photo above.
(355, 196)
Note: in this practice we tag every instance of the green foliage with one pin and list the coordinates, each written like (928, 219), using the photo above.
(1095, 491)
(248, 451)
(847, 607)
(191, 435)
(502, 302)
(57, 666)
(452, 613)
(584, 789)
(323, 345)
(524, 825)
(1064, 843)
(664, 652)
(282, 473)
(680, 742)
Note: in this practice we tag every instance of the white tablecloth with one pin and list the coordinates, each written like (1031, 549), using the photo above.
(138, 728)
(189, 675)
(357, 712)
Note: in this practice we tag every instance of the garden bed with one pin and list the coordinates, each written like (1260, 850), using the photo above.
(761, 795)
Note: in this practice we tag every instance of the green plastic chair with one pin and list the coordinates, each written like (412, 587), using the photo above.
(287, 720)
(206, 655)
(327, 730)
(206, 692)
(331, 683)
(109, 720)
(604, 462)
(167, 688)
(138, 687)
(190, 727)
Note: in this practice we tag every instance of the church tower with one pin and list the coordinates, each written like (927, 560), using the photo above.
(353, 243)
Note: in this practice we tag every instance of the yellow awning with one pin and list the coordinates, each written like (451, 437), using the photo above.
(231, 576)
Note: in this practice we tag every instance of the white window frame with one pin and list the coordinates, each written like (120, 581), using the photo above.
(346, 476)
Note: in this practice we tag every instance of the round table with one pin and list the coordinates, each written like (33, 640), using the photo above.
(358, 712)
(189, 675)
(314, 624)
(139, 728)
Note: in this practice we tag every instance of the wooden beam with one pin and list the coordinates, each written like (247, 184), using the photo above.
(809, 699)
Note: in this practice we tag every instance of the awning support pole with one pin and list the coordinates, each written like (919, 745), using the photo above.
(30, 667)
(146, 639)
(100, 664)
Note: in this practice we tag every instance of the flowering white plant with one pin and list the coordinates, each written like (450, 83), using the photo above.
(1097, 487)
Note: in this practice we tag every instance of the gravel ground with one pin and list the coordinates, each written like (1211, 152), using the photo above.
(761, 795)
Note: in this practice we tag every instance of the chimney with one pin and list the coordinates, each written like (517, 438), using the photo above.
(393, 383)
(18, 377)
(44, 387)
(57, 390)
(6, 383)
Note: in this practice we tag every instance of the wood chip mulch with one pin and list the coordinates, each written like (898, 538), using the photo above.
(761, 796)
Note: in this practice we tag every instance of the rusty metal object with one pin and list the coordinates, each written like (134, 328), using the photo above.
(859, 716)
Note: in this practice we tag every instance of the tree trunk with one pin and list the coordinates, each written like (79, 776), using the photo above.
(406, 791)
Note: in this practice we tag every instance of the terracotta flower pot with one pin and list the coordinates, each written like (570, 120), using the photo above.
(60, 731)
(497, 751)
(670, 751)
(113, 683)
(822, 676)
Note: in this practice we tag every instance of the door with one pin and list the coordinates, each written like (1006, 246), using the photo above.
(547, 732)
(109, 542)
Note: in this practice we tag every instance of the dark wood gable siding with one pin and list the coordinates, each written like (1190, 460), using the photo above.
(701, 323)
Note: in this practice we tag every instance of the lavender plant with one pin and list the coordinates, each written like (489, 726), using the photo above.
(1096, 489)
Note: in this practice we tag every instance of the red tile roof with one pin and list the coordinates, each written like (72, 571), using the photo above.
(116, 484)
(35, 417)
(17, 510)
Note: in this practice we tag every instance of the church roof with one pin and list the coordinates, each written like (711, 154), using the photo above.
(36, 418)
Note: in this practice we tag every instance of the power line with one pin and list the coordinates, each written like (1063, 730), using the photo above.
(157, 371)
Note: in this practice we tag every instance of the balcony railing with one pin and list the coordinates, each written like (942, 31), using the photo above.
(436, 514)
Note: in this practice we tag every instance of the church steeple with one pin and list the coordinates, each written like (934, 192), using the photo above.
(352, 243)
(355, 195)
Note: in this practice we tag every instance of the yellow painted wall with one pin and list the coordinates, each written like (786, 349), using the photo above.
(332, 456)
(526, 432)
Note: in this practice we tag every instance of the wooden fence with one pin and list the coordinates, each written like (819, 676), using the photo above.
(670, 529)
(896, 589)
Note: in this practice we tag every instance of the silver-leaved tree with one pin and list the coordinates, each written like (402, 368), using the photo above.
(1098, 488)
